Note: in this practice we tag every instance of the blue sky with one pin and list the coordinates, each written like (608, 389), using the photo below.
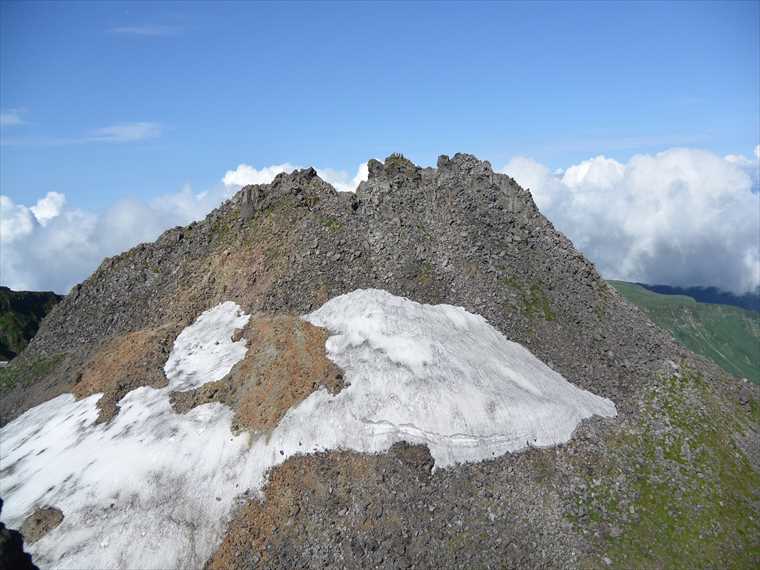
(635, 125)
(335, 84)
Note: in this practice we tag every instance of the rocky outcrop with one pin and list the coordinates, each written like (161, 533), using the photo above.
(12, 554)
(40, 522)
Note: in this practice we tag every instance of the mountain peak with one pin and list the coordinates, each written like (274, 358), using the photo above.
(515, 310)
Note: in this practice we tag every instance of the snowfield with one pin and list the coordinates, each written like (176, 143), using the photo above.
(154, 489)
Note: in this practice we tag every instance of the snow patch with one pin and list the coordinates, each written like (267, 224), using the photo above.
(153, 489)
(204, 351)
(150, 489)
(436, 375)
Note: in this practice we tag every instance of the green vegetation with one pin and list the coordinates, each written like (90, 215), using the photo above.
(693, 487)
(425, 274)
(533, 299)
(397, 162)
(223, 231)
(20, 315)
(331, 224)
(535, 302)
(729, 336)
(27, 371)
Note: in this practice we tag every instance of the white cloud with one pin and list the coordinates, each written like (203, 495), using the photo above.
(11, 117)
(147, 30)
(48, 207)
(749, 165)
(599, 172)
(245, 174)
(680, 217)
(125, 132)
(51, 246)
(340, 179)
(15, 220)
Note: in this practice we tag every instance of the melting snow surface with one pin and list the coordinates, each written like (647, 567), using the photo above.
(204, 352)
(436, 375)
(153, 489)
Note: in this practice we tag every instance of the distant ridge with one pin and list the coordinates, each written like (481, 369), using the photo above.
(729, 336)
(711, 295)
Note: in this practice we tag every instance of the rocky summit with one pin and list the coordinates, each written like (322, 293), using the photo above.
(420, 374)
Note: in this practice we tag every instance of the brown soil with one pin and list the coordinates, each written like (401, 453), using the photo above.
(243, 268)
(284, 364)
(40, 522)
(296, 487)
(124, 363)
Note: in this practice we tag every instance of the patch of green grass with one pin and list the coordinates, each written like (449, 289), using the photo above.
(226, 228)
(754, 407)
(600, 308)
(511, 282)
(331, 224)
(693, 488)
(23, 372)
(729, 336)
(534, 302)
(425, 274)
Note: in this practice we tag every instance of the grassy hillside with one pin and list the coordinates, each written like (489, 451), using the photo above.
(729, 336)
(20, 316)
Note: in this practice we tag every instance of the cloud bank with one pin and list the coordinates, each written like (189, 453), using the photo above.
(682, 217)
(51, 246)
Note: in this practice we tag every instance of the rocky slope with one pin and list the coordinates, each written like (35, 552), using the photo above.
(672, 481)
(729, 336)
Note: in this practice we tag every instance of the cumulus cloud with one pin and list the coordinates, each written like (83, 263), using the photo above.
(341, 180)
(48, 207)
(48, 245)
(681, 217)
(750, 165)
(245, 174)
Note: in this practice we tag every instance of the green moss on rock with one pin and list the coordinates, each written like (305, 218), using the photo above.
(692, 488)
(27, 371)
